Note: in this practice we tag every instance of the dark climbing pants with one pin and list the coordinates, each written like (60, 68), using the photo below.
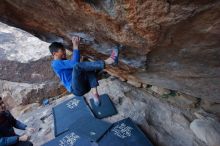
(23, 143)
(84, 76)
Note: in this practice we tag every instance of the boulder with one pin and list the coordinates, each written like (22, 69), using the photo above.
(207, 130)
(14, 93)
(211, 107)
(159, 90)
(26, 76)
(184, 101)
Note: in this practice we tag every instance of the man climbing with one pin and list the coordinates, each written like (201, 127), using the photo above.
(7, 133)
(79, 77)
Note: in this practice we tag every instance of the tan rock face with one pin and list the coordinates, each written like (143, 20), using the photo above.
(160, 91)
(177, 41)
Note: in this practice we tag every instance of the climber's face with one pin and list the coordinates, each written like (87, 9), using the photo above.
(61, 54)
(2, 105)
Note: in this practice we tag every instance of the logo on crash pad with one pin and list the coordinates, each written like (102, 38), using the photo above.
(73, 103)
(69, 140)
(92, 133)
(122, 131)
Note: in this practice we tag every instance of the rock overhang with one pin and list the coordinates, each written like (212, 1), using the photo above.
(176, 43)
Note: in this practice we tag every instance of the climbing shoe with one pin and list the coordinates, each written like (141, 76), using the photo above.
(115, 55)
(96, 100)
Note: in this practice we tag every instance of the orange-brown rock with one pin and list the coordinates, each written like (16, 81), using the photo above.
(176, 42)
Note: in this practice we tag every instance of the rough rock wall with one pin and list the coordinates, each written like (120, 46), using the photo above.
(18, 45)
(22, 83)
(176, 41)
(25, 75)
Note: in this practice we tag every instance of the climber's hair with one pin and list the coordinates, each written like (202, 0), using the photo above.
(55, 47)
(3, 116)
(1, 101)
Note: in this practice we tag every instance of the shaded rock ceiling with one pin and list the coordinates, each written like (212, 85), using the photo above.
(172, 44)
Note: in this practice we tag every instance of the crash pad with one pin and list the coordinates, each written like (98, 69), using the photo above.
(66, 113)
(105, 109)
(124, 133)
(69, 138)
(90, 128)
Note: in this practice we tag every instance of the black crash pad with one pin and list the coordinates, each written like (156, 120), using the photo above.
(90, 128)
(69, 138)
(66, 113)
(124, 133)
(105, 109)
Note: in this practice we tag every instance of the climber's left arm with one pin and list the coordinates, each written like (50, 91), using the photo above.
(20, 125)
(15, 123)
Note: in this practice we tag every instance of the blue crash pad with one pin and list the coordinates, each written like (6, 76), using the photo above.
(66, 113)
(90, 128)
(69, 138)
(106, 108)
(124, 133)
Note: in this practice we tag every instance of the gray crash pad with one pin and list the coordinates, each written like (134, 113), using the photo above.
(90, 128)
(124, 133)
(66, 113)
(105, 109)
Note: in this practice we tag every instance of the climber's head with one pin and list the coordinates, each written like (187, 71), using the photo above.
(3, 117)
(2, 105)
(57, 50)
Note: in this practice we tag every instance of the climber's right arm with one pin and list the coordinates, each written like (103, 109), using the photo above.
(76, 53)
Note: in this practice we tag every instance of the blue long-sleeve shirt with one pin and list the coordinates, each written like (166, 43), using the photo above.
(63, 69)
(7, 134)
